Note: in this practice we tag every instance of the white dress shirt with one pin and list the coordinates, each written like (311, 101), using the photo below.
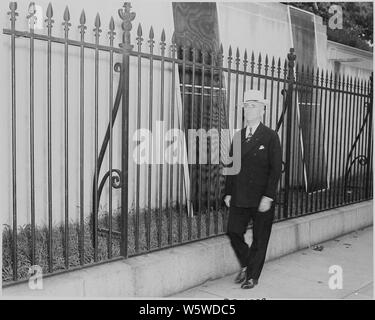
(253, 128)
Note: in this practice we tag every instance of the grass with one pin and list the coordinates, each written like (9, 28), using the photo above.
(186, 230)
(181, 230)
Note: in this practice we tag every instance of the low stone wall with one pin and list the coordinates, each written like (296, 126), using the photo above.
(166, 272)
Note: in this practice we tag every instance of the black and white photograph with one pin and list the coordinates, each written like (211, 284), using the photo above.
(196, 154)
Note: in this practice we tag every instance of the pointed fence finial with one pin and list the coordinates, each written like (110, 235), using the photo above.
(49, 20)
(82, 18)
(139, 37)
(266, 64)
(162, 42)
(66, 14)
(151, 33)
(49, 12)
(111, 31)
(273, 64)
(97, 25)
(82, 21)
(151, 39)
(173, 40)
(66, 22)
(173, 46)
(139, 30)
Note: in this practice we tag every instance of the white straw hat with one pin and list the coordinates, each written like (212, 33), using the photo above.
(254, 95)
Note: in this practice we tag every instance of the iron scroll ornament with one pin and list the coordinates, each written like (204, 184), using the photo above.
(362, 159)
(116, 180)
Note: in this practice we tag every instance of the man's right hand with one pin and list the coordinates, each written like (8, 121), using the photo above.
(227, 200)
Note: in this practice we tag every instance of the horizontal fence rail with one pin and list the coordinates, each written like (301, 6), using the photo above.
(129, 205)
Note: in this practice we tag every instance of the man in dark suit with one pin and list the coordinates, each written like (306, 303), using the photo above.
(250, 194)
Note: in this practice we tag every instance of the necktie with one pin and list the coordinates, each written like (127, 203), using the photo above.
(249, 135)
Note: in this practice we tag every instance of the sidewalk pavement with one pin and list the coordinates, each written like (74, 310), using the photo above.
(305, 274)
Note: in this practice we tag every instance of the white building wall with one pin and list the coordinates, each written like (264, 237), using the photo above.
(262, 27)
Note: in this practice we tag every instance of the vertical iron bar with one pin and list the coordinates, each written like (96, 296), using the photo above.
(338, 139)
(49, 21)
(357, 127)
(259, 68)
(244, 82)
(329, 139)
(191, 147)
(252, 63)
(366, 133)
(298, 99)
(305, 87)
(203, 55)
(139, 107)
(342, 132)
(228, 84)
(149, 182)
(341, 139)
(236, 89)
(272, 85)
(220, 73)
(171, 184)
(333, 144)
(13, 14)
(309, 169)
(111, 35)
(352, 134)
(265, 85)
(66, 24)
(324, 170)
(349, 141)
(82, 28)
(180, 222)
(96, 128)
(369, 137)
(314, 103)
(227, 107)
(284, 96)
(161, 139)
(346, 139)
(362, 142)
(208, 223)
(318, 199)
(315, 108)
(32, 20)
(277, 117)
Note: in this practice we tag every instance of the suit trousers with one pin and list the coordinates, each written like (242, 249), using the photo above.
(253, 257)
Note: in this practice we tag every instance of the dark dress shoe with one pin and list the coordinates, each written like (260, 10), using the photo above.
(249, 284)
(241, 276)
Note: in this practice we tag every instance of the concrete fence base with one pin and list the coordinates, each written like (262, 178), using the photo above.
(166, 272)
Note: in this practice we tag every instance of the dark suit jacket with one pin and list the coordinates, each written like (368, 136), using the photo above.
(261, 162)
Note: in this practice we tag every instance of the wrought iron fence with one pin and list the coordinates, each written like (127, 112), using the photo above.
(324, 121)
